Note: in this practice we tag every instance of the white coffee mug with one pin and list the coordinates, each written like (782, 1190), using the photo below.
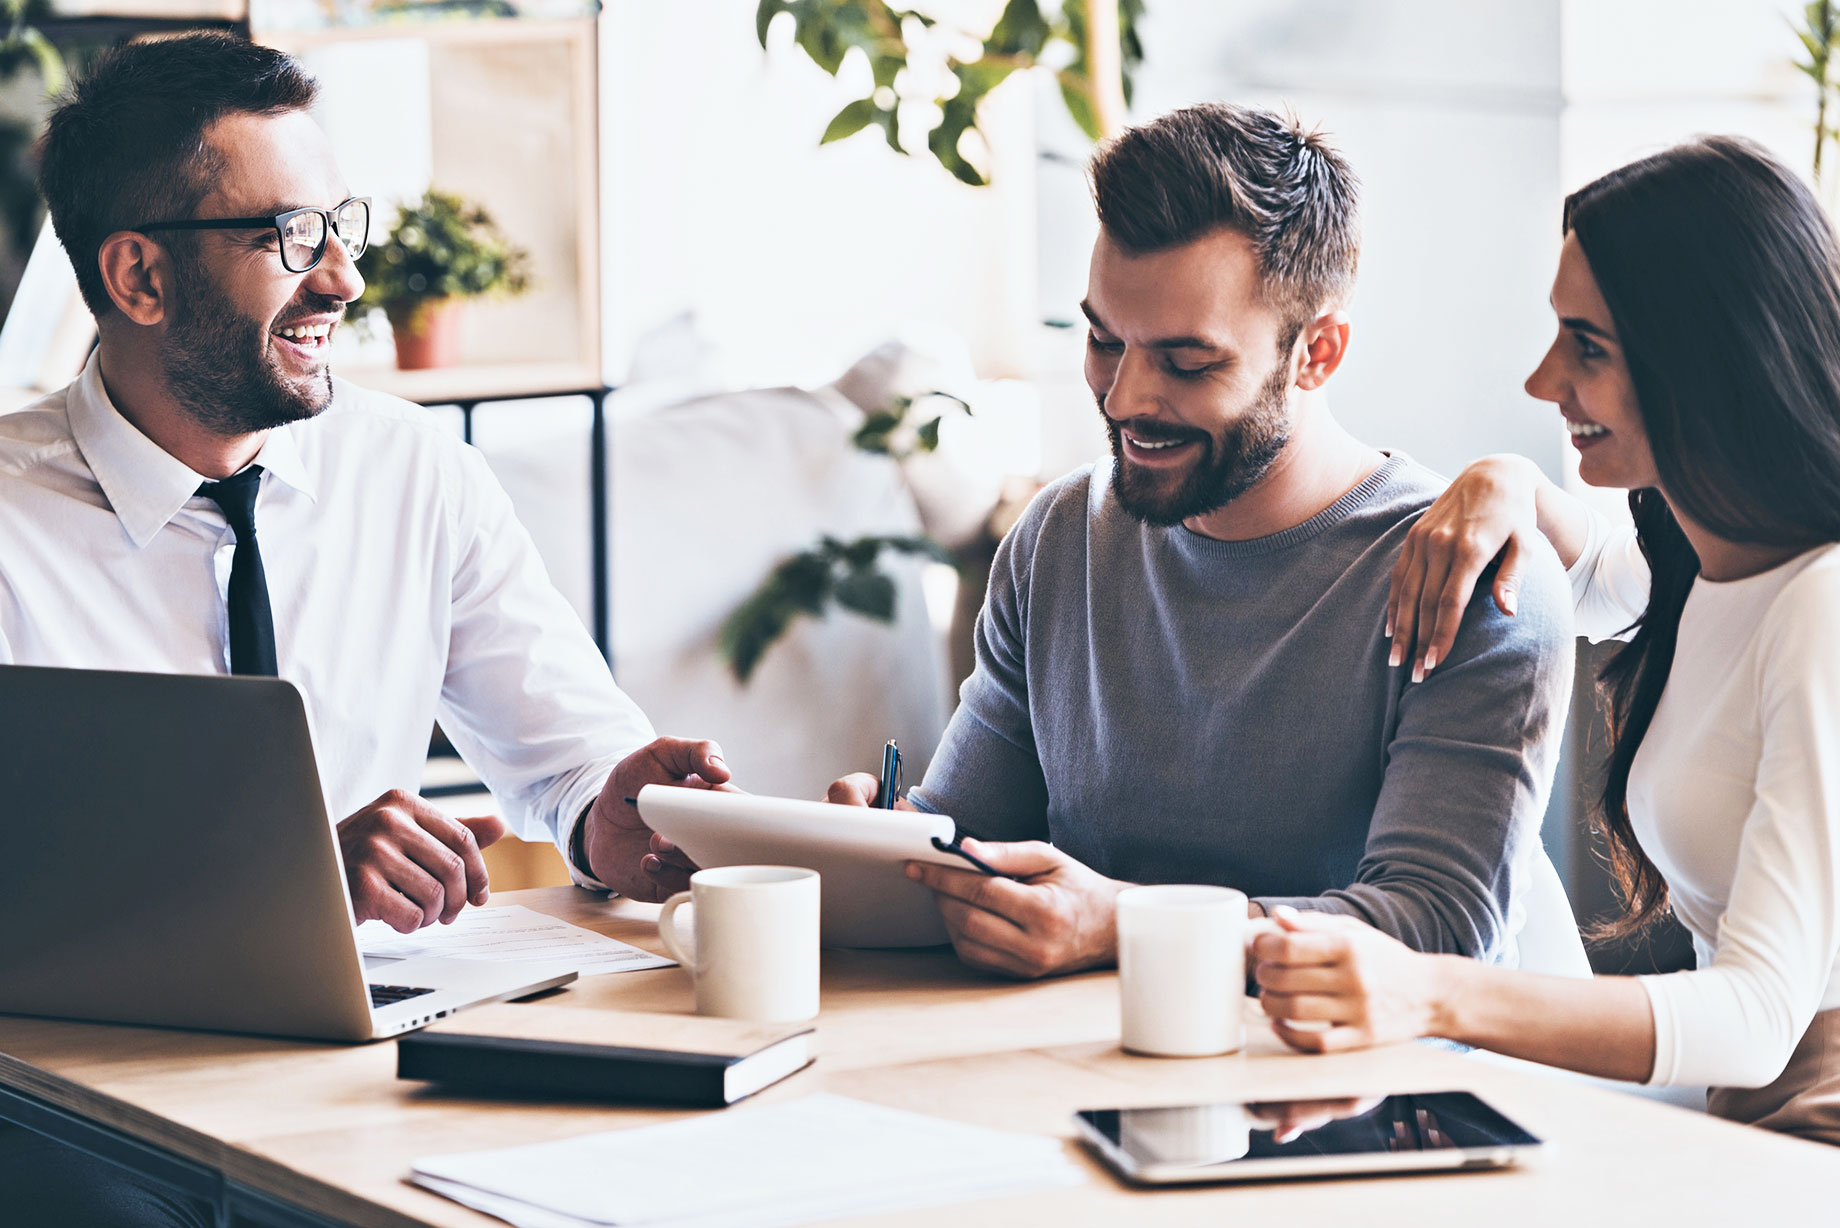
(1182, 969)
(755, 954)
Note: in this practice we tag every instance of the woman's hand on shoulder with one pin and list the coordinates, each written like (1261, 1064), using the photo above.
(1491, 511)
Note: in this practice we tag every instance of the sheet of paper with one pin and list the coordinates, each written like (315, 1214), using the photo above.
(510, 934)
(816, 1158)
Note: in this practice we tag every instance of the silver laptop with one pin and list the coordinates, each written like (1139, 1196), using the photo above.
(166, 858)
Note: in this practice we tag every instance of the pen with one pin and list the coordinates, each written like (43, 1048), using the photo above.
(891, 776)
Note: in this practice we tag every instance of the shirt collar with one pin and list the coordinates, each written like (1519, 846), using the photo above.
(144, 483)
(280, 455)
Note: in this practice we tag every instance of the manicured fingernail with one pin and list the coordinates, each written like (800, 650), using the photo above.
(1418, 672)
(650, 864)
(1431, 660)
(1397, 657)
(1507, 601)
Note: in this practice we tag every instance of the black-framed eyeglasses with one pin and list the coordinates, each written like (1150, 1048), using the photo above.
(301, 233)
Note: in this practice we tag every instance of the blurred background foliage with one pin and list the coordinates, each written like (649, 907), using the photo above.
(32, 72)
(921, 68)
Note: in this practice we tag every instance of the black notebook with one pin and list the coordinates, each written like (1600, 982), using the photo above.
(576, 1053)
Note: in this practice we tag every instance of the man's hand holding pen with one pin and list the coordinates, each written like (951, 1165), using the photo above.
(1050, 914)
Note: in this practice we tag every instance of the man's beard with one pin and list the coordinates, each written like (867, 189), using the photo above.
(218, 365)
(1227, 467)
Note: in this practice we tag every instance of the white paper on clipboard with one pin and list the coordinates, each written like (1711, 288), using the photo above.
(858, 852)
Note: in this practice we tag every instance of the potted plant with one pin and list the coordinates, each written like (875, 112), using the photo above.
(441, 251)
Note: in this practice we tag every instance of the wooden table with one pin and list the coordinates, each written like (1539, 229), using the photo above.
(328, 1130)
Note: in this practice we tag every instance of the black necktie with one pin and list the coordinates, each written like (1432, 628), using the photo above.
(252, 623)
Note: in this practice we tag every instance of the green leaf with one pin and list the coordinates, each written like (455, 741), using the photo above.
(1075, 92)
(1021, 30)
(958, 116)
(760, 620)
(979, 77)
(50, 62)
(1130, 12)
(763, 18)
(820, 41)
(928, 436)
(851, 120)
(891, 129)
(885, 66)
(805, 581)
(873, 434)
(870, 593)
(861, 553)
(923, 546)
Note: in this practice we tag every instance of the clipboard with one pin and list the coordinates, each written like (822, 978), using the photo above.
(858, 852)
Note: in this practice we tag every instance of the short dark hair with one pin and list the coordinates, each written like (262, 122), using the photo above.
(127, 144)
(1217, 166)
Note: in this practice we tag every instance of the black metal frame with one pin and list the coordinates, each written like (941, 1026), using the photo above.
(602, 625)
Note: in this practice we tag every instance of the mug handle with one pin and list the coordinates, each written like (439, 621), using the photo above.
(667, 931)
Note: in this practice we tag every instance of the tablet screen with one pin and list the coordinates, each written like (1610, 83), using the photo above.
(1217, 1134)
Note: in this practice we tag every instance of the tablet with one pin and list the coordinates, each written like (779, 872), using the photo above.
(865, 898)
(1289, 1139)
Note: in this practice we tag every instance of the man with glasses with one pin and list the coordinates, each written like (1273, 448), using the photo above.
(206, 498)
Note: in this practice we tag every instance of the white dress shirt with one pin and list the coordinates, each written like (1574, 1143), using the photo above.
(1735, 796)
(403, 587)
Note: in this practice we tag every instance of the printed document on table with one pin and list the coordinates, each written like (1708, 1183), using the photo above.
(510, 934)
(752, 1167)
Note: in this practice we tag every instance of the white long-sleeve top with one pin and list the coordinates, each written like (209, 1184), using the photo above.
(403, 589)
(1735, 796)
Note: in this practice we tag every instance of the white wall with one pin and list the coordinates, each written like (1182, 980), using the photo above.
(796, 259)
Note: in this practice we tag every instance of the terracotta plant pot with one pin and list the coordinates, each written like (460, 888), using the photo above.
(427, 334)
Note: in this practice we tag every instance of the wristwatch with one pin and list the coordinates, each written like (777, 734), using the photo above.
(578, 846)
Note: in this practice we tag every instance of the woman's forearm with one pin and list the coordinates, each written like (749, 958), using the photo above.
(1599, 1025)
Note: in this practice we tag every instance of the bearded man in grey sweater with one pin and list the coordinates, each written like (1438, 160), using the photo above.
(1182, 669)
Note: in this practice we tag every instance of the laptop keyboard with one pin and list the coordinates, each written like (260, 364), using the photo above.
(390, 995)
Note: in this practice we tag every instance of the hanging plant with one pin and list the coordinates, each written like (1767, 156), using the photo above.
(1063, 40)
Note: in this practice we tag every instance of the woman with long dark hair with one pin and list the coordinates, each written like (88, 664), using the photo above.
(1697, 365)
